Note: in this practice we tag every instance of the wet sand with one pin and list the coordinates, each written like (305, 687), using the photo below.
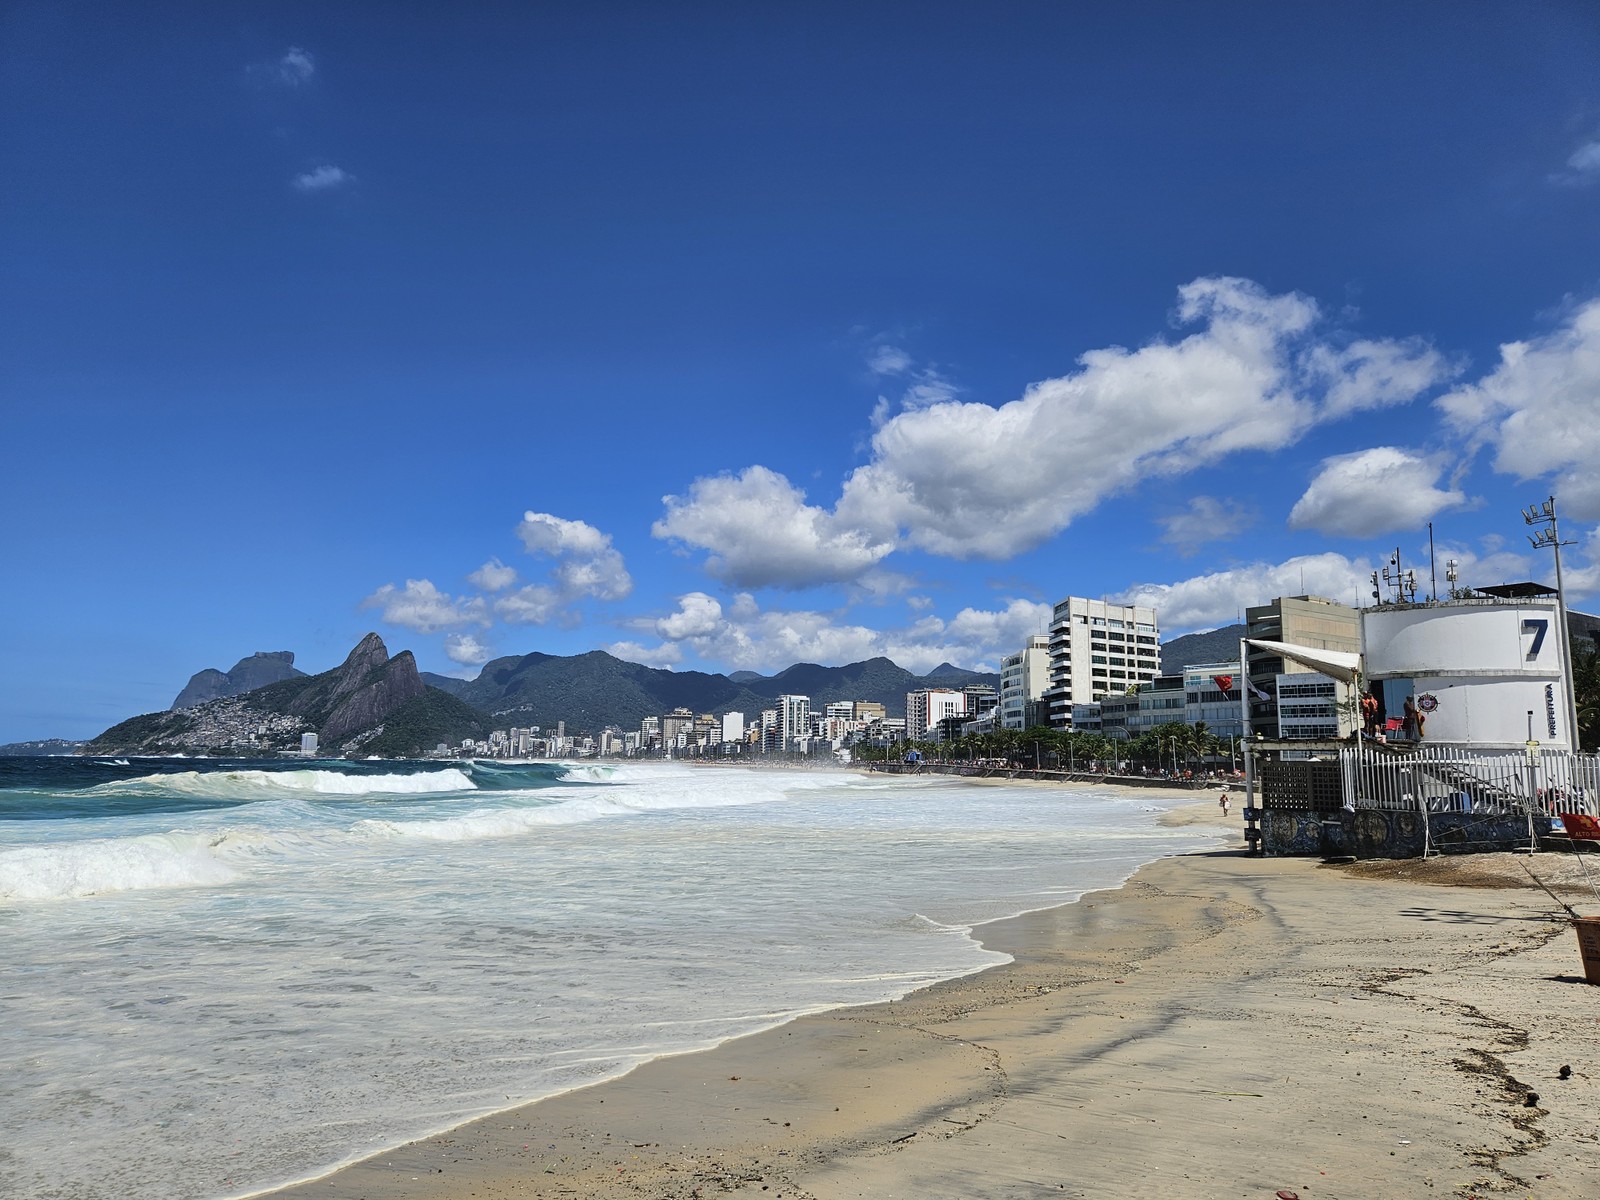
(1219, 1026)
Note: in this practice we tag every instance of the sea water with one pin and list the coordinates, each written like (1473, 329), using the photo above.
(218, 977)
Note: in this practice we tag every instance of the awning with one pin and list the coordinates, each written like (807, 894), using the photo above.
(1339, 664)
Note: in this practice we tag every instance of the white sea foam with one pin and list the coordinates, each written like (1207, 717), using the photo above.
(102, 865)
(257, 785)
(384, 966)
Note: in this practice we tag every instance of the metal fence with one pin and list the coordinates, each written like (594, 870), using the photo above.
(1442, 778)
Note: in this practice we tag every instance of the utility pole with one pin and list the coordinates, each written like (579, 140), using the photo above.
(1545, 514)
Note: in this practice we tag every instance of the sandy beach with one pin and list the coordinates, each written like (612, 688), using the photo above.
(1221, 1025)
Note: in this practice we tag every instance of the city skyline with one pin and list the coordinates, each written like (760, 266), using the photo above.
(722, 339)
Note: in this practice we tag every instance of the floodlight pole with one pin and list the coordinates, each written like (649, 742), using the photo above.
(1545, 514)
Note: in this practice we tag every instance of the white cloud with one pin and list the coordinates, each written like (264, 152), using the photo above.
(323, 179)
(968, 480)
(1219, 598)
(743, 636)
(698, 615)
(296, 67)
(761, 532)
(1538, 410)
(668, 654)
(424, 608)
(1373, 491)
(888, 360)
(1586, 158)
(535, 604)
(1375, 374)
(493, 576)
(466, 649)
(588, 565)
(1207, 519)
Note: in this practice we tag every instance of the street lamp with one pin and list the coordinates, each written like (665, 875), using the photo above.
(1174, 742)
(1545, 514)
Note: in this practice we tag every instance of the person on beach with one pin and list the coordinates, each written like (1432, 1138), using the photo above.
(1223, 802)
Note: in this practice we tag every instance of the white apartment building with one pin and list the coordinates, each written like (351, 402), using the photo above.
(794, 719)
(926, 708)
(733, 727)
(1024, 676)
(1096, 650)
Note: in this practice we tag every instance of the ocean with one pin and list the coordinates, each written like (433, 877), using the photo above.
(223, 976)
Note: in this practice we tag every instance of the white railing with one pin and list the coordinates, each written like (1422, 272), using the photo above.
(1445, 778)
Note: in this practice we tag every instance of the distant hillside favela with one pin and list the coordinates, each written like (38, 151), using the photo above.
(374, 705)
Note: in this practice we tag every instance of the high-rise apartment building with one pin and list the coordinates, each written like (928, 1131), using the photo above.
(1024, 676)
(926, 708)
(1098, 649)
(794, 718)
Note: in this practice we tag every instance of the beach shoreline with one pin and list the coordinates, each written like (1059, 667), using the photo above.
(1218, 1025)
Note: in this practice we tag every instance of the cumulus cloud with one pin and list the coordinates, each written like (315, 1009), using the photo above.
(668, 654)
(744, 636)
(1220, 597)
(761, 532)
(493, 576)
(1375, 374)
(535, 604)
(423, 607)
(587, 563)
(466, 649)
(1207, 519)
(323, 179)
(1537, 411)
(969, 480)
(1373, 491)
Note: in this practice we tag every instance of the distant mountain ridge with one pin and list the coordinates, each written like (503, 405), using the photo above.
(248, 674)
(1199, 649)
(593, 690)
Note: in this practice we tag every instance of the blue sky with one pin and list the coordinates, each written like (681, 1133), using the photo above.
(727, 336)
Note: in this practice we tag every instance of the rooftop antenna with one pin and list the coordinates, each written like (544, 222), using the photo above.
(1451, 574)
(1433, 572)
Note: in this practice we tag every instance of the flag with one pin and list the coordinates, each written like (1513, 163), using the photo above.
(1257, 692)
(1581, 827)
(1224, 682)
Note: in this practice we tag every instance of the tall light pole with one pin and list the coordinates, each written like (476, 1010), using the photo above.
(1545, 514)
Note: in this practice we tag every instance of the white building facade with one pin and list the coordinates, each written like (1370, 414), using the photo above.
(1098, 649)
(1024, 676)
(926, 708)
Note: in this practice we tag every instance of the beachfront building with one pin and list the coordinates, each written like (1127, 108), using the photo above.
(1159, 702)
(1024, 676)
(1308, 706)
(1211, 695)
(1310, 621)
(794, 720)
(927, 707)
(1098, 649)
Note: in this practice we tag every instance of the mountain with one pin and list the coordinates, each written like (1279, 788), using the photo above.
(260, 669)
(39, 747)
(370, 702)
(1215, 646)
(591, 691)
(743, 676)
